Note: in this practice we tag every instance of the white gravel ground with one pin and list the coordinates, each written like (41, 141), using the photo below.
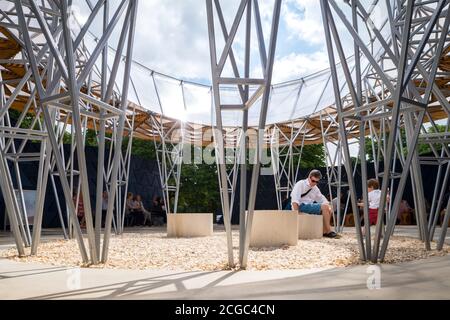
(151, 249)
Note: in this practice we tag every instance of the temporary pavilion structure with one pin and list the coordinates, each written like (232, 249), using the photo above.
(64, 76)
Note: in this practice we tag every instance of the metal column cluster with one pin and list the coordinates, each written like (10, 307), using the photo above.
(169, 155)
(58, 82)
(286, 146)
(50, 74)
(398, 91)
(260, 88)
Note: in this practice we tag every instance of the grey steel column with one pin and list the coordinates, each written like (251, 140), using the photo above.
(219, 141)
(8, 198)
(244, 140)
(44, 170)
(413, 140)
(49, 126)
(121, 210)
(393, 128)
(44, 165)
(75, 101)
(438, 208)
(347, 162)
(444, 227)
(268, 69)
(362, 134)
(101, 139)
(118, 146)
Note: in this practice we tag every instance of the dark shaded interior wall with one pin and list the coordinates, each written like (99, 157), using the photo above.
(143, 180)
(266, 197)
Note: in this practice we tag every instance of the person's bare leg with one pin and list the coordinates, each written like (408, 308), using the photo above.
(326, 213)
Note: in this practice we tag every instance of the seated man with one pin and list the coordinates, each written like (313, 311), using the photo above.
(158, 212)
(306, 197)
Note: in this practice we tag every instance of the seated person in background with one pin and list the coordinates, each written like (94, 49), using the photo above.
(137, 211)
(140, 206)
(307, 198)
(129, 209)
(286, 203)
(444, 205)
(104, 207)
(158, 211)
(404, 209)
(342, 202)
(374, 195)
(163, 207)
(219, 215)
(79, 209)
(442, 217)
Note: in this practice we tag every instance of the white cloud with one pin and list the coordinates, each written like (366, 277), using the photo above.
(294, 66)
(171, 37)
(304, 23)
(303, 20)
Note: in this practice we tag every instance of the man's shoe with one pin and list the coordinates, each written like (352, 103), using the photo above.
(331, 234)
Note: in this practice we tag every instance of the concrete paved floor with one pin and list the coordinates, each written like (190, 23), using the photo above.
(424, 279)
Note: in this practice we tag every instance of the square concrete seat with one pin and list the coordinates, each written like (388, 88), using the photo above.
(273, 228)
(189, 225)
(310, 226)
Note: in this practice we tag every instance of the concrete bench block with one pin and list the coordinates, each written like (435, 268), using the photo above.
(189, 225)
(273, 228)
(310, 226)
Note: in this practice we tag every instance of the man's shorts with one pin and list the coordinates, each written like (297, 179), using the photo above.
(311, 208)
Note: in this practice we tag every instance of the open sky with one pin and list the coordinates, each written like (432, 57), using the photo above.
(172, 38)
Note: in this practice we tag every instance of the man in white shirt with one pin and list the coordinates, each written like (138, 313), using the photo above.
(307, 198)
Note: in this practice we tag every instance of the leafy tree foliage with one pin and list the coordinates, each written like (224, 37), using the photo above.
(422, 148)
(313, 156)
(199, 187)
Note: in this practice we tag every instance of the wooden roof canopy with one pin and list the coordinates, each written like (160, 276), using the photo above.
(148, 125)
